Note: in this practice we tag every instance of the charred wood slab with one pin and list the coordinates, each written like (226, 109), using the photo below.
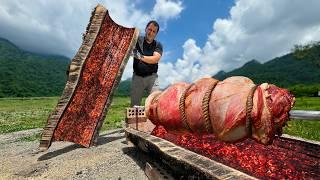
(94, 74)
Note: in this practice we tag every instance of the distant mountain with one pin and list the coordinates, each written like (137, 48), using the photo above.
(24, 74)
(220, 75)
(124, 88)
(283, 71)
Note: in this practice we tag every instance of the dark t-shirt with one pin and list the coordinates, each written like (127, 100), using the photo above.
(141, 68)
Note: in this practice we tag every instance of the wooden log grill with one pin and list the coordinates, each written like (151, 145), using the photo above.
(187, 164)
(94, 74)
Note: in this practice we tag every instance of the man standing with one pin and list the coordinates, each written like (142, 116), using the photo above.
(147, 54)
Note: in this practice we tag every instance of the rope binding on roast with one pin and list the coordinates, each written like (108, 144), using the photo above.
(182, 108)
(249, 107)
(205, 106)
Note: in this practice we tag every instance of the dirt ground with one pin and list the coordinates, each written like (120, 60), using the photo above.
(113, 158)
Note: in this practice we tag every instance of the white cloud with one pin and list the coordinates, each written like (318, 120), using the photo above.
(45, 26)
(166, 9)
(254, 29)
(259, 30)
(186, 69)
(128, 71)
(56, 27)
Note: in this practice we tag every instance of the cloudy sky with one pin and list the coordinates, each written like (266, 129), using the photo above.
(199, 39)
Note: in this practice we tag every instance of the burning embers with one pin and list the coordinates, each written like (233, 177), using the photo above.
(282, 159)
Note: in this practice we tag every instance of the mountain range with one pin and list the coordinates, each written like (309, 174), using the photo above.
(284, 71)
(24, 74)
(27, 74)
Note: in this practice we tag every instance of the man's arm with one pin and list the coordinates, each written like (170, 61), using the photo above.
(154, 59)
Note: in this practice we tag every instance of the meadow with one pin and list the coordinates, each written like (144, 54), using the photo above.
(18, 114)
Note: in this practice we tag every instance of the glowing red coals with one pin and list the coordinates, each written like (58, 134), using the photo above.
(282, 159)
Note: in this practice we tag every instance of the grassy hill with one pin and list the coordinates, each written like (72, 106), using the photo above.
(124, 88)
(283, 71)
(24, 74)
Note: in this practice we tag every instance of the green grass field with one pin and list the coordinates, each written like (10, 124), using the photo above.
(304, 128)
(27, 113)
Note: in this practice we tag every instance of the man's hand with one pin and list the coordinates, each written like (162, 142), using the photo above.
(137, 54)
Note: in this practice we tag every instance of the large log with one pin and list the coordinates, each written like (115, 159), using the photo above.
(94, 74)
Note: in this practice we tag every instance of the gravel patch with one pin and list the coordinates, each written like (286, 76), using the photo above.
(15, 136)
(113, 158)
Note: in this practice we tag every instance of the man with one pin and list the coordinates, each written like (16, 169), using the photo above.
(147, 54)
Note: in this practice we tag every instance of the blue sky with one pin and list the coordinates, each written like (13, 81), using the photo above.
(195, 21)
(200, 37)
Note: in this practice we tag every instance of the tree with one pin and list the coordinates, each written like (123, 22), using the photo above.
(309, 52)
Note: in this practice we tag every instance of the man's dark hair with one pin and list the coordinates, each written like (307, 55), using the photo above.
(154, 23)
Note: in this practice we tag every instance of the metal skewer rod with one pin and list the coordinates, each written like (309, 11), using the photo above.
(303, 114)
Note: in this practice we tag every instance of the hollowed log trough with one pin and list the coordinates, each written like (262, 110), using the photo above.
(186, 163)
(93, 76)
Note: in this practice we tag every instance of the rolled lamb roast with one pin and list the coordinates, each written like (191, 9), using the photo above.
(231, 110)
